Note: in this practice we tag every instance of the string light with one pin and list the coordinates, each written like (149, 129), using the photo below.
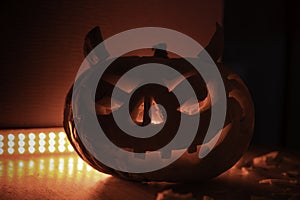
(21, 143)
(14, 142)
(1, 144)
(61, 142)
(31, 143)
(10, 143)
(42, 142)
(51, 142)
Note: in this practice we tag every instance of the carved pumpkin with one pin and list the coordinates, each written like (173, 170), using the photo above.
(232, 140)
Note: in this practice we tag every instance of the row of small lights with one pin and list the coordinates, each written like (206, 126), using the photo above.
(32, 143)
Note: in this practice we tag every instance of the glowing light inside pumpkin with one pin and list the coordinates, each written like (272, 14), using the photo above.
(155, 112)
(192, 107)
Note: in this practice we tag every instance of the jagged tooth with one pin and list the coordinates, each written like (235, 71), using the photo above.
(140, 155)
(192, 149)
(166, 154)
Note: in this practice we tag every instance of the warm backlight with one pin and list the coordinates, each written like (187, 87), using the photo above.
(14, 142)
(33, 154)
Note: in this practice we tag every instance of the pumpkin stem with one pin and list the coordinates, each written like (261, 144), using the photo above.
(160, 50)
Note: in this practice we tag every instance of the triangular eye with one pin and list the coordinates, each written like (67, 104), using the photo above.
(192, 106)
(107, 105)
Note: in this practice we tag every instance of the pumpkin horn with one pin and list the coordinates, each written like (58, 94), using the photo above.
(160, 50)
(216, 44)
(92, 39)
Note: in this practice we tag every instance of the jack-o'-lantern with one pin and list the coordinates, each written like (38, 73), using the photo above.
(231, 141)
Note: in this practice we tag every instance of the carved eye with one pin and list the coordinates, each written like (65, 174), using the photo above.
(107, 105)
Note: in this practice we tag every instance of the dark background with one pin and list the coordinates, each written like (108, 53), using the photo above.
(262, 45)
(41, 51)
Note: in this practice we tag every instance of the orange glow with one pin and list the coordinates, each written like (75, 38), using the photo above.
(34, 141)
(155, 113)
(192, 107)
(30, 157)
(244, 171)
(58, 167)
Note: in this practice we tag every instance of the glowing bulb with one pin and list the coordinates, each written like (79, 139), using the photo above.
(42, 149)
(52, 135)
(1, 144)
(52, 142)
(31, 143)
(11, 143)
(21, 136)
(31, 136)
(42, 142)
(61, 141)
(21, 150)
(62, 134)
(11, 136)
(21, 143)
(31, 149)
(51, 149)
(1, 151)
(10, 150)
(42, 135)
(1, 137)
(61, 148)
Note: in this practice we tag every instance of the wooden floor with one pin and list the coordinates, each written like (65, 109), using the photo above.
(66, 176)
